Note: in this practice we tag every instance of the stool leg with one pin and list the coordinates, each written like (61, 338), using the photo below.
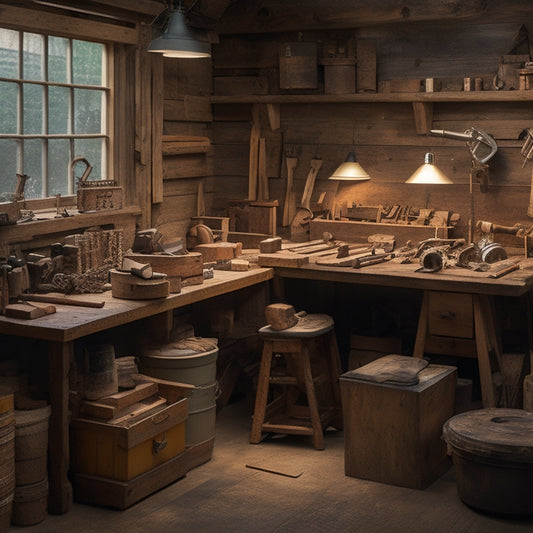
(318, 436)
(261, 397)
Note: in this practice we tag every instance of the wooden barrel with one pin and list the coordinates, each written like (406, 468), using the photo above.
(492, 452)
(30, 504)
(31, 445)
(178, 362)
(100, 373)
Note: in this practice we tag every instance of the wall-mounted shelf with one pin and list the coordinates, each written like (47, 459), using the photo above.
(450, 96)
(422, 102)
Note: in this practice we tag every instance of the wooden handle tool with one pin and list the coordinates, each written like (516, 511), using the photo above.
(62, 300)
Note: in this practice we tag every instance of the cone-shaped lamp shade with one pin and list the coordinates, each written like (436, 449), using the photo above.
(429, 173)
(350, 170)
(178, 40)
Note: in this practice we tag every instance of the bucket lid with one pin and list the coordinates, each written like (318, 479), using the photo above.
(182, 348)
(496, 433)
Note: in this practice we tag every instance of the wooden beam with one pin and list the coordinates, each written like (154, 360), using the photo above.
(18, 18)
(423, 117)
(275, 16)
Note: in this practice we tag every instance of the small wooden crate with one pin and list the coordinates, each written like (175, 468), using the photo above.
(122, 452)
(298, 66)
(392, 434)
(99, 198)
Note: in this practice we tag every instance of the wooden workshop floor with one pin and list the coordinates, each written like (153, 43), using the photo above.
(224, 495)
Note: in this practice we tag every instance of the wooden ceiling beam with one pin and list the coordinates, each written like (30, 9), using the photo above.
(272, 16)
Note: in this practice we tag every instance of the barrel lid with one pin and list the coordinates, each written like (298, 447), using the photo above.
(496, 433)
(182, 348)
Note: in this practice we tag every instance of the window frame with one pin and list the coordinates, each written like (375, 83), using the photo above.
(108, 127)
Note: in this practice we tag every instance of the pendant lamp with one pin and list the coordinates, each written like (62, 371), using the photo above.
(429, 173)
(350, 170)
(178, 40)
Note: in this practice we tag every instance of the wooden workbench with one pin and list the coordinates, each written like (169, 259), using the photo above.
(478, 285)
(69, 323)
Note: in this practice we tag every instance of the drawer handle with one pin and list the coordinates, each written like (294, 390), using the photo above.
(160, 445)
(447, 315)
(160, 417)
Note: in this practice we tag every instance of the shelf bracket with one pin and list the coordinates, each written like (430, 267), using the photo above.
(423, 117)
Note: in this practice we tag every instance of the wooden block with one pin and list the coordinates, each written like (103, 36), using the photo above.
(94, 409)
(401, 85)
(240, 265)
(218, 251)
(130, 287)
(137, 411)
(392, 434)
(280, 316)
(289, 259)
(178, 268)
(24, 311)
(124, 399)
(269, 246)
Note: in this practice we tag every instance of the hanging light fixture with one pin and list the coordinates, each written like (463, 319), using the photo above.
(350, 170)
(429, 173)
(178, 40)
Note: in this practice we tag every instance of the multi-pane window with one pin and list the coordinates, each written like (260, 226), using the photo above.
(53, 107)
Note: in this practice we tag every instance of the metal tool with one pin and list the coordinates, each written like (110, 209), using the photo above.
(480, 144)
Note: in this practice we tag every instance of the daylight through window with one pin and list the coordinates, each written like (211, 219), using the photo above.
(53, 96)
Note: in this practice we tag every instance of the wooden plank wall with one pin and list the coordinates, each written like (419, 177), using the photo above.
(386, 141)
(186, 111)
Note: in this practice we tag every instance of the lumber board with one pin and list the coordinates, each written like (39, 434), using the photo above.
(281, 258)
(124, 399)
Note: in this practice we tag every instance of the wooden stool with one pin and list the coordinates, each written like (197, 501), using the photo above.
(301, 361)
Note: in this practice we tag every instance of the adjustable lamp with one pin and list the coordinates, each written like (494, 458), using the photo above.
(429, 173)
(178, 40)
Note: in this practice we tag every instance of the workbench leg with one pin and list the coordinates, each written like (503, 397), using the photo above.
(60, 489)
(485, 344)
(421, 332)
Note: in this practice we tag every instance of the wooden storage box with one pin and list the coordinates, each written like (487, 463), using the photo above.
(124, 452)
(392, 433)
(99, 198)
(181, 270)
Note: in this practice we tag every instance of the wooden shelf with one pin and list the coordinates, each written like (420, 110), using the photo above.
(450, 96)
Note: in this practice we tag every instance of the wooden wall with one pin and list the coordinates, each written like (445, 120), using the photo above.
(386, 141)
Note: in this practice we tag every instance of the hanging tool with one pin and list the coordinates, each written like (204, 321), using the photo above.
(300, 224)
(290, 162)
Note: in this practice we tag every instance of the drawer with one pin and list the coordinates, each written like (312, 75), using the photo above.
(451, 314)
(122, 453)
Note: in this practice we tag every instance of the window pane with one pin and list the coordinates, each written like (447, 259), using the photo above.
(9, 53)
(32, 167)
(91, 149)
(58, 166)
(87, 111)
(87, 59)
(32, 57)
(33, 109)
(58, 59)
(58, 110)
(8, 169)
(8, 107)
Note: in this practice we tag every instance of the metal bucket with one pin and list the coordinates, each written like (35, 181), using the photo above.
(173, 363)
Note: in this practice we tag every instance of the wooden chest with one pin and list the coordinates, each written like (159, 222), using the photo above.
(124, 452)
(392, 433)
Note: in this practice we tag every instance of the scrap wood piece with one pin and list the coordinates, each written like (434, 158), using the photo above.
(280, 259)
(293, 474)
